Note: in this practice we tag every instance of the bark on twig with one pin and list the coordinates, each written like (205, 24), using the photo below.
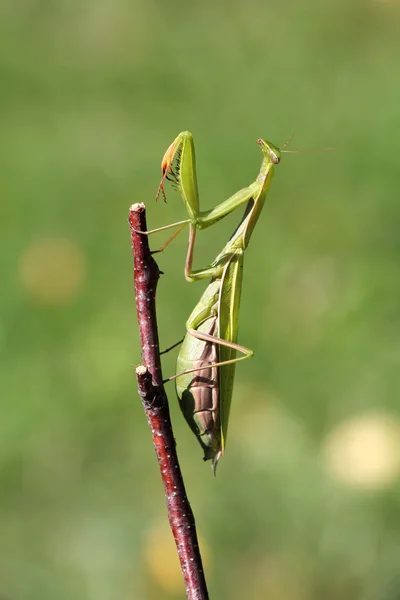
(155, 403)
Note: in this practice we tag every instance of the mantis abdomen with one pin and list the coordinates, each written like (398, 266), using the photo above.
(198, 392)
(207, 359)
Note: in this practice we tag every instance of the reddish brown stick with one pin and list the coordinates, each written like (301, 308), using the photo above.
(155, 403)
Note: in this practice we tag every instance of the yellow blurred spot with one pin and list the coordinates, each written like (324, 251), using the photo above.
(52, 271)
(256, 578)
(161, 557)
(364, 451)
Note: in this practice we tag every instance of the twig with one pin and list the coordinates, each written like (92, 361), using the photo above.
(155, 403)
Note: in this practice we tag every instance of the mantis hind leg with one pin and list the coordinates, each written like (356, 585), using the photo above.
(172, 347)
(212, 339)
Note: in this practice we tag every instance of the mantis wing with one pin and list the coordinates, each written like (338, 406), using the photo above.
(228, 316)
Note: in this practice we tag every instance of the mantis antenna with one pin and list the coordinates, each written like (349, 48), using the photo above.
(288, 142)
(302, 151)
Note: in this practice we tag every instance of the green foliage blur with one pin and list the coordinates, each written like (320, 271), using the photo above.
(306, 501)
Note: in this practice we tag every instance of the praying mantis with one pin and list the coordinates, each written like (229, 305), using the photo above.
(207, 359)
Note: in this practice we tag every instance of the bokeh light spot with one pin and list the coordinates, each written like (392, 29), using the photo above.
(161, 557)
(364, 451)
(52, 271)
(266, 577)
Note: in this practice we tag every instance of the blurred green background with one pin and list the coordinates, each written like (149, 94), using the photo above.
(306, 502)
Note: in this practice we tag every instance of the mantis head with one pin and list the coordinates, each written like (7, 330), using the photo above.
(270, 151)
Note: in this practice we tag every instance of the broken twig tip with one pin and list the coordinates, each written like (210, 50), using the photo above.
(141, 370)
(138, 207)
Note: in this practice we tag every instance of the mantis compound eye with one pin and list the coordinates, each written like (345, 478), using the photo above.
(275, 159)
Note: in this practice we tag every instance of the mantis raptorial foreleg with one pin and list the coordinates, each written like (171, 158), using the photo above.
(183, 175)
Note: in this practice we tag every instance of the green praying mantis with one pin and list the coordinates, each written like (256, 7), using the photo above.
(207, 359)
